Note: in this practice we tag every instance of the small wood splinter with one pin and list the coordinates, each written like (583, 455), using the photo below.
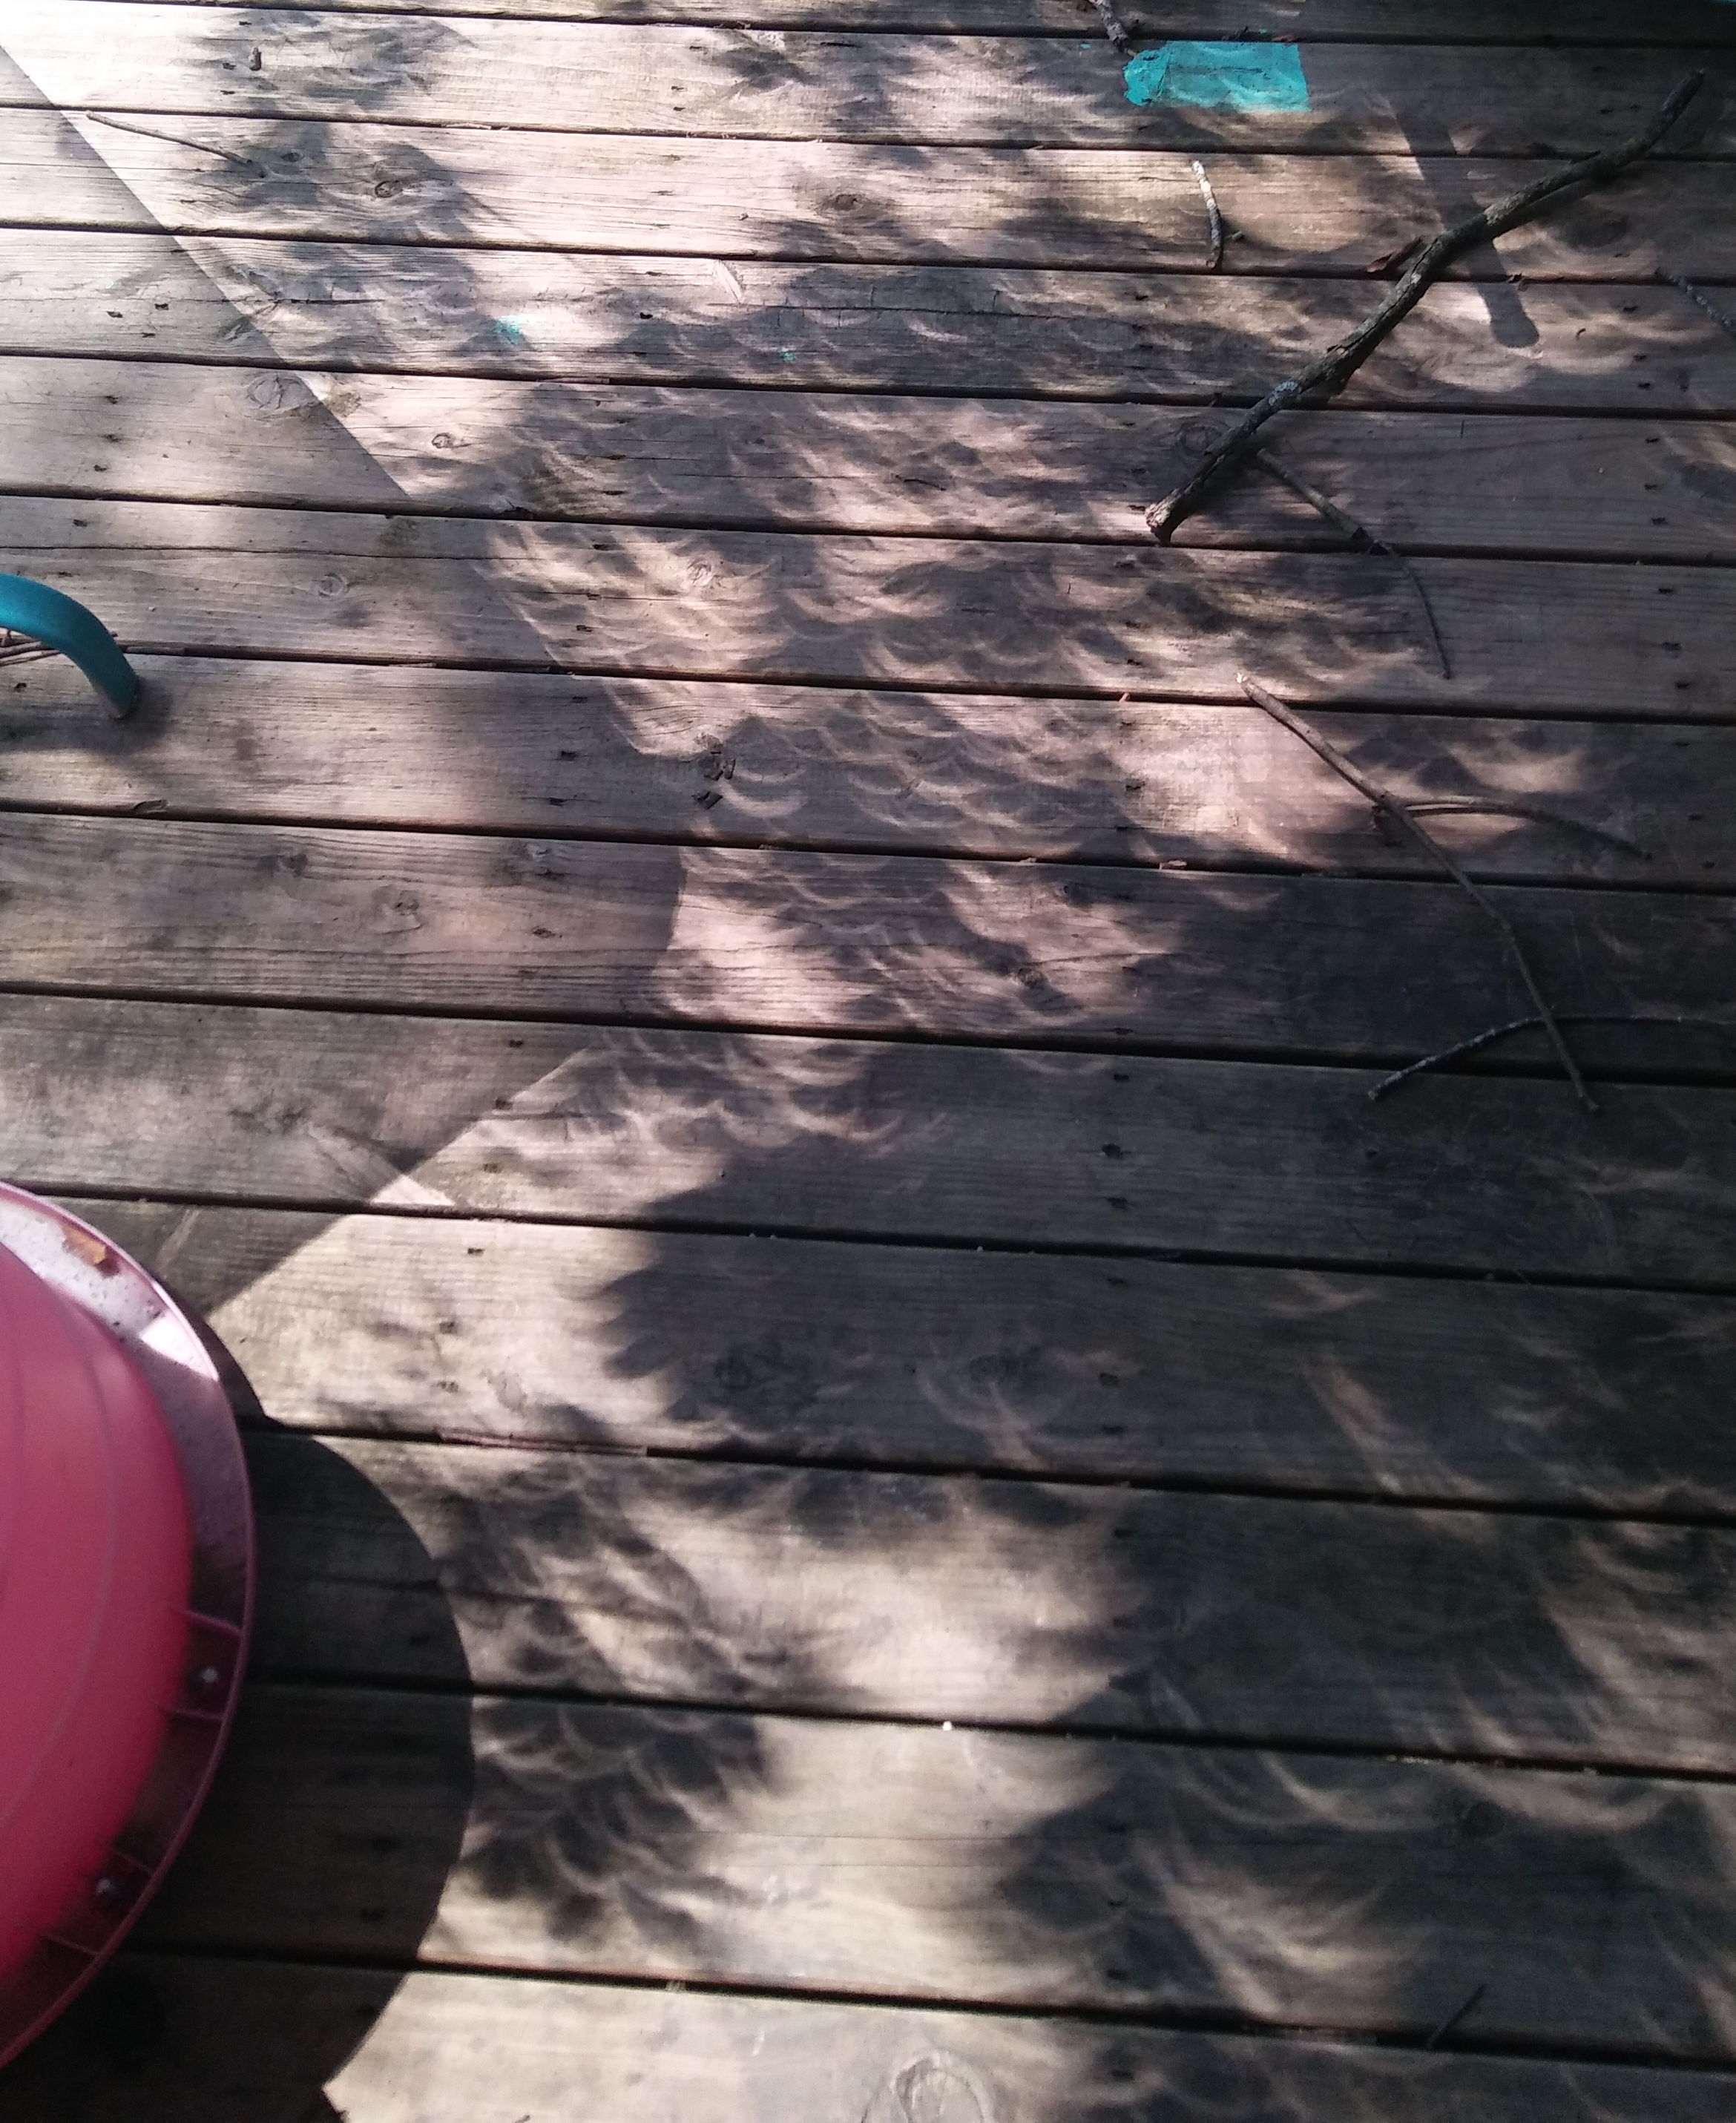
(1328, 373)
(1394, 807)
(1213, 218)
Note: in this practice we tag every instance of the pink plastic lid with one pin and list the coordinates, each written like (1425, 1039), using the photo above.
(94, 1568)
(126, 1597)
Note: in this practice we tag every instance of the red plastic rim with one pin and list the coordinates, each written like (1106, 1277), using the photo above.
(126, 1598)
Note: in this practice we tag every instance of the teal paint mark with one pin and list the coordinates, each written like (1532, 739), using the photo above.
(510, 329)
(1220, 77)
(786, 353)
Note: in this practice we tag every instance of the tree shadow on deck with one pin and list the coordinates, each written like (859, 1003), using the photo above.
(627, 1815)
(682, 1839)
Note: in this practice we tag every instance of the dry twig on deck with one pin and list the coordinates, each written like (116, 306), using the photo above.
(1387, 805)
(1694, 295)
(174, 139)
(23, 649)
(1479, 1040)
(1539, 814)
(1329, 373)
(1114, 27)
(1213, 218)
(1359, 536)
(1454, 2017)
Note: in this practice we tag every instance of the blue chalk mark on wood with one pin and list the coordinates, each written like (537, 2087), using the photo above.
(1220, 77)
(58, 621)
(510, 329)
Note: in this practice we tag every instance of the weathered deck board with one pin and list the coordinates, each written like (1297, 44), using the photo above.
(964, 328)
(797, 1352)
(212, 2038)
(1135, 782)
(840, 85)
(1590, 489)
(1358, 969)
(858, 1139)
(1071, 208)
(1025, 1870)
(1573, 637)
(1665, 22)
(1358, 1625)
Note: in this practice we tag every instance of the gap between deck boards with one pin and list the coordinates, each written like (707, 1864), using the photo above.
(733, 1131)
(1489, 348)
(1362, 1627)
(1499, 1393)
(1128, 960)
(1018, 1870)
(975, 615)
(694, 763)
(1512, 22)
(1076, 209)
(439, 2047)
(1469, 485)
(928, 90)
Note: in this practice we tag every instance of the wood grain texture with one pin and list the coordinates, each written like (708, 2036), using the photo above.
(1141, 781)
(1589, 489)
(1145, 958)
(1025, 1870)
(212, 2037)
(1071, 208)
(981, 615)
(1492, 347)
(837, 84)
(848, 1138)
(800, 1352)
(1668, 22)
(1017, 1603)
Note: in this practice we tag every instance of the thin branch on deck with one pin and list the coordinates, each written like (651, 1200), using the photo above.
(1538, 814)
(20, 649)
(1387, 805)
(1329, 373)
(174, 139)
(1114, 27)
(1454, 2017)
(1481, 1039)
(1213, 218)
(1694, 295)
(1360, 536)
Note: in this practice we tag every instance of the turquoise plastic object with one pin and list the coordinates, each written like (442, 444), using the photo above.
(1219, 76)
(58, 621)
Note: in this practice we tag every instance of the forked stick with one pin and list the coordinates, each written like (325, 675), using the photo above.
(1328, 372)
(1387, 805)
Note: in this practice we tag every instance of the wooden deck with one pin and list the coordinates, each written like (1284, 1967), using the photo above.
(885, 1496)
